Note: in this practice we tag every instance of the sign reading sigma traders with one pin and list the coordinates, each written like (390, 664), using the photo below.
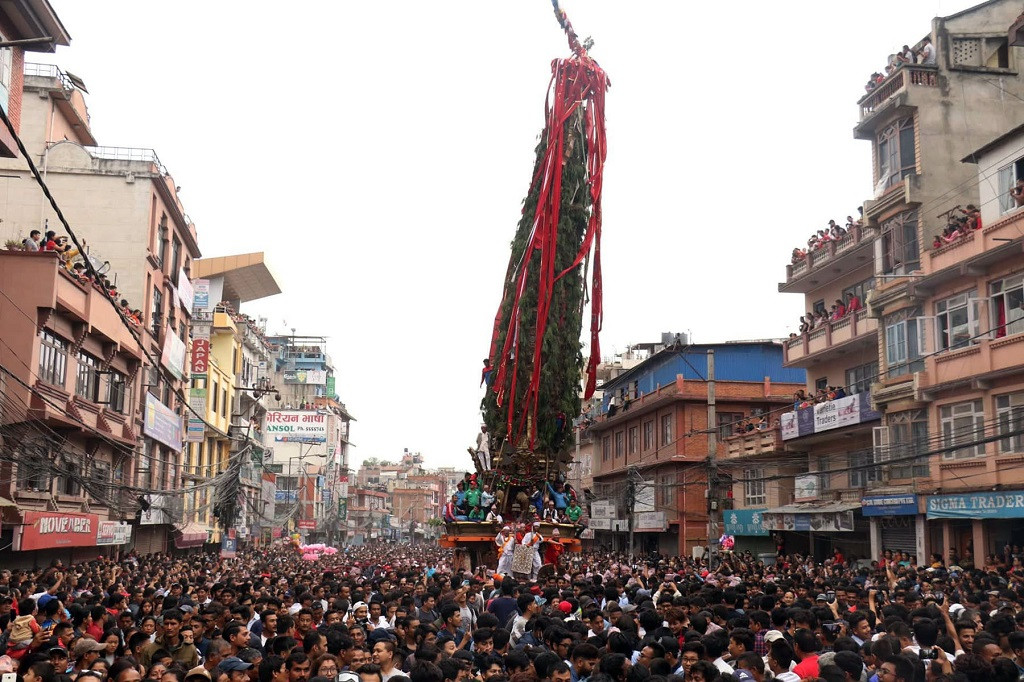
(1001, 505)
(296, 425)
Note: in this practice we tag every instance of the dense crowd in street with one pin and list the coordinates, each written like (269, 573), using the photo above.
(403, 613)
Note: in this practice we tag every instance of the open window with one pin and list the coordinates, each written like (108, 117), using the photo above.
(1007, 306)
(1008, 177)
(900, 252)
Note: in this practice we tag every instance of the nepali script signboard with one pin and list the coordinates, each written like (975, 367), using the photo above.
(297, 426)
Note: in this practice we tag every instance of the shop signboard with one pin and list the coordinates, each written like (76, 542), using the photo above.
(200, 356)
(161, 423)
(330, 386)
(889, 505)
(201, 294)
(601, 524)
(113, 533)
(602, 509)
(195, 431)
(306, 524)
(228, 548)
(834, 414)
(173, 355)
(745, 522)
(186, 292)
(297, 425)
(983, 505)
(838, 522)
(650, 522)
(49, 530)
(316, 377)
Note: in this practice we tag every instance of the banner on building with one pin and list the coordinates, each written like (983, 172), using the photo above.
(161, 423)
(834, 414)
(602, 509)
(201, 294)
(195, 431)
(50, 530)
(806, 487)
(296, 425)
(890, 505)
(317, 377)
(200, 360)
(839, 522)
(744, 522)
(330, 386)
(285, 495)
(306, 524)
(113, 533)
(601, 524)
(186, 292)
(650, 522)
(173, 354)
(983, 505)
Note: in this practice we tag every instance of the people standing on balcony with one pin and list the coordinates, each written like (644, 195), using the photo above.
(50, 242)
(31, 243)
(798, 255)
(838, 310)
(927, 52)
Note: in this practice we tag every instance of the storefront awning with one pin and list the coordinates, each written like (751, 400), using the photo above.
(815, 517)
(192, 535)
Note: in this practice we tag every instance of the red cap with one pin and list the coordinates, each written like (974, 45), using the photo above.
(535, 589)
(565, 607)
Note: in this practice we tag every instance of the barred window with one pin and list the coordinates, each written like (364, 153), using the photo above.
(53, 359)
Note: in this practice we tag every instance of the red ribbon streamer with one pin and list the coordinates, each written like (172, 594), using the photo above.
(576, 82)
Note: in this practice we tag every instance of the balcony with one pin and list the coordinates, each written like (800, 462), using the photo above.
(973, 367)
(754, 443)
(852, 333)
(833, 260)
(972, 254)
(893, 93)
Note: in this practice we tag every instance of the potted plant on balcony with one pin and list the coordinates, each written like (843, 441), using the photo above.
(14, 245)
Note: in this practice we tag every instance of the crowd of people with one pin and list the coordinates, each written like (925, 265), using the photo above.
(72, 260)
(802, 398)
(832, 232)
(817, 319)
(390, 613)
(925, 55)
(960, 222)
(555, 502)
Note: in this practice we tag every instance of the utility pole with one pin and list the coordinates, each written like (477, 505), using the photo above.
(630, 504)
(713, 496)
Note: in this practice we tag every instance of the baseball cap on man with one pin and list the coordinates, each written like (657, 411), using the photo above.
(773, 636)
(233, 663)
(84, 646)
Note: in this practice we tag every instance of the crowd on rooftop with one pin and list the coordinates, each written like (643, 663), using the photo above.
(960, 222)
(73, 261)
(401, 613)
(830, 233)
(925, 55)
(802, 399)
(816, 319)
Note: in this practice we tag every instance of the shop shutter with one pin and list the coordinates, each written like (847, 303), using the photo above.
(899, 533)
(150, 540)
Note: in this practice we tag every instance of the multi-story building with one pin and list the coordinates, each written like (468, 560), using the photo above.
(658, 438)
(124, 205)
(369, 515)
(934, 322)
(229, 360)
(69, 381)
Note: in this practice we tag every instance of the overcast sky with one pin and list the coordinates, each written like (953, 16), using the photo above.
(378, 153)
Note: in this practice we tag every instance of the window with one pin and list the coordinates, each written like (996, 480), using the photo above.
(634, 440)
(728, 423)
(900, 254)
(858, 379)
(87, 383)
(908, 435)
(863, 468)
(69, 482)
(1008, 177)
(33, 469)
(860, 290)
(161, 241)
(1007, 306)
(157, 314)
(1010, 420)
(753, 488)
(606, 448)
(963, 424)
(142, 470)
(224, 402)
(117, 391)
(175, 259)
(990, 52)
(824, 478)
(896, 154)
(956, 321)
(666, 430)
(666, 491)
(648, 434)
(821, 383)
(53, 359)
(6, 71)
(902, 344)
(215, 394)
(100, 475)
(619, 438)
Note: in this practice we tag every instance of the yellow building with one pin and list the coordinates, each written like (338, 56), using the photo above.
(223, 379)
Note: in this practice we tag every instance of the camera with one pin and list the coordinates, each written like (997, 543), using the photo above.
(830, 597)
(930, 654)
(940, 597)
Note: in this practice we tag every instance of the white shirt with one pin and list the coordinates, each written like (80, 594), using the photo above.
(928, 54)
(723, 667)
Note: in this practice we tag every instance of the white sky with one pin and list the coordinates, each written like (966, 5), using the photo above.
(379, 151)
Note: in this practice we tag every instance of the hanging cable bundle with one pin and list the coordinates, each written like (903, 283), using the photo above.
(535, 345)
